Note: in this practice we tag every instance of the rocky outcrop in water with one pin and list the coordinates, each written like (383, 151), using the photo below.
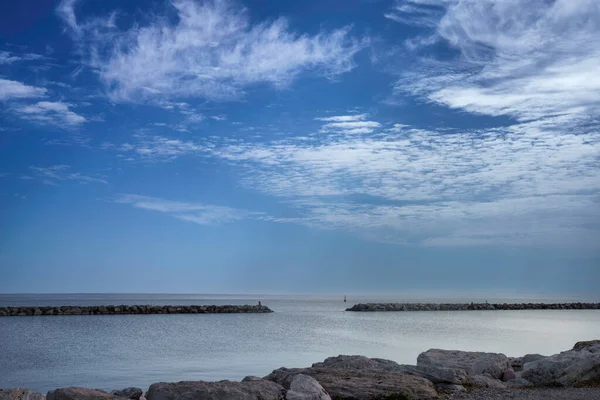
(437, 373)
(471, 306)
(127, 309)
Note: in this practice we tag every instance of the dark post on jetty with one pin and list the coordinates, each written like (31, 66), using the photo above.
(127, 309)
(471, 306)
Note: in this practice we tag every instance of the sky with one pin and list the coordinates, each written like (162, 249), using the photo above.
(264, 146)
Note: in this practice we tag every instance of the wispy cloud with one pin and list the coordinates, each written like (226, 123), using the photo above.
(198, 213)
(527, 60)
(56, 113)
(213, 51)
(9, 58)
(16, 90)
(53, 173)
(349, 124)
(463, 187)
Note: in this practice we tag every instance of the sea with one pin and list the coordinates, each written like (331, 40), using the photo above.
(116, 351)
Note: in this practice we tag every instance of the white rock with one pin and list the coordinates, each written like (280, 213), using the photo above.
(304, 387)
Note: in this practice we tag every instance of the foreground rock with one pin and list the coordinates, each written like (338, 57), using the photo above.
(117, 310)
(569, 368)
(304, 387)
(20, 394)
(358, 377)
(471, 306)
(472, 362)
(80, 393)
(460, 374)
(585, 344)
(130, 393)
(247, 390)
(518, 362)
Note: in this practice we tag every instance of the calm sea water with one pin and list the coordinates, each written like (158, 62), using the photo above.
(109, 352)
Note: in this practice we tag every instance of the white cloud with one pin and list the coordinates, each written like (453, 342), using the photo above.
(349, 124)
(525, 184)
(9, 58)
(212, 51)
(56, 113)
(343, 118)
(528, 60)
(198, 213)
(53, 173)
(17, 90)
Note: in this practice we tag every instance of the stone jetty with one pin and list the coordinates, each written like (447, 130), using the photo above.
(438, 374)
(129, 309)
(471, 306)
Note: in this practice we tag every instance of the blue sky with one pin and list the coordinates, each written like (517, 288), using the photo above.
(297, 147)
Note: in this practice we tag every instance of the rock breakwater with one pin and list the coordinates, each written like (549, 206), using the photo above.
(130, 309)
(471, 306)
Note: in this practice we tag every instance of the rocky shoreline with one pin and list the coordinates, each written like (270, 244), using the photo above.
(129, 309)
(438, 374)
(471, 306)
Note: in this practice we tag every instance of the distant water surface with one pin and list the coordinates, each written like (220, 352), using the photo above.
(115, 351)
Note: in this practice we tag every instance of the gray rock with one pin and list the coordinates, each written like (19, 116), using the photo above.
(450, 388)
(130, 392)
(569, 368)
(20, 394)
(438, 375)
(223, 390)
(361, 384)
(79, 393)
(518, 383)
(518, 362)
(509, 375)
(361, 363)
(304, 387)
(584, 344)
(251, 378)
(486, 382)
(474, 363)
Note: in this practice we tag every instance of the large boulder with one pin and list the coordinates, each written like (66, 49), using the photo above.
(569, 368)
(20, 394)
(584, 344)
(518, 362)
(304, 387)
(361, 363)
(130, 392)
(80, 393)
(438, 375)
(199, 390)
(474, 363)
(356, 384)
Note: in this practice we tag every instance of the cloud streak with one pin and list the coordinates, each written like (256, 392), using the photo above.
(212, 52)
(56, 113)
(198, 213)
(10, 90)
(51, 174)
